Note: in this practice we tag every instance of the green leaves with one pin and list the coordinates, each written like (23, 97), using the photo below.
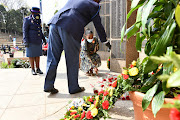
(174, 80)
(139, 41)
(148, 96)
(148, 65)
(134, 3)
(145, 14)
(165, 40)
(158, 102)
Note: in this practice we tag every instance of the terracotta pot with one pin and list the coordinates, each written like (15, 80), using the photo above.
(137, 97)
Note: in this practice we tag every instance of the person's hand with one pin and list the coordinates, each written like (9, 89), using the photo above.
(26, 44)
(108, 45)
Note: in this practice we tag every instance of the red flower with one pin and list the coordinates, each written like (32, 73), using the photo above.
(101, 92)
(127, 98)
(152, 73)
(95, 102)
(109, 84)
(72, 113)
(115, 79)
(95, 91)
(104, 79)
(102, 86)
(123, 98)
(77, 116)
(82, 115)
(114, 84)
(106, 93)
(90, 100)
(103, 98)
(125, 77)
(105, 104)
(177, 98)
(110, 80)
(131, 66)
(88, 115)
(174, 114)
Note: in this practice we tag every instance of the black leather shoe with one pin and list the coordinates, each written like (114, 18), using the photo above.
(33, 72)
(39, 71)
(78, 91)
(52, 91)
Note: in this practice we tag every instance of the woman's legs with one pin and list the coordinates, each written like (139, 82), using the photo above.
(37, 60)
(31, 60)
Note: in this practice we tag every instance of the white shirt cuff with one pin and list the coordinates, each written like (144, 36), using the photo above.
(105, 42)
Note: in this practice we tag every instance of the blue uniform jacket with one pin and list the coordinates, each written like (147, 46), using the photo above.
(76, 14)
(32, 31)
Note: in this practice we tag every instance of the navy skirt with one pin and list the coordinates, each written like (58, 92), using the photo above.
(34, 50)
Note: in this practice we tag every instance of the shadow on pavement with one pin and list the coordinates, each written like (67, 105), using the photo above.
(62, 96)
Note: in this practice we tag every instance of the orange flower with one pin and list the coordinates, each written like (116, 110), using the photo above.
(114, 84)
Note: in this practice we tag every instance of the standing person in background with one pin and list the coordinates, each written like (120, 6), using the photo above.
(10, 38)
(32, 36)
(65, 33)
(14, 41)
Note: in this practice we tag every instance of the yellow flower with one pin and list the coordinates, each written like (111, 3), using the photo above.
(175, 69)
(111, 92)
(97, 100)
(72, 107)
(72, 116)
(133, 63)
(133, 71)
(73, 110)
(84, 104)
(91, 107)
(125, 72)
(94, 112)
(80, 108)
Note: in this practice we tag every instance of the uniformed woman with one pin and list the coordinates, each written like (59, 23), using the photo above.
(33, 36)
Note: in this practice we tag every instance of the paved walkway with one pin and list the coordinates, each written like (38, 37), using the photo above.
(22, 96)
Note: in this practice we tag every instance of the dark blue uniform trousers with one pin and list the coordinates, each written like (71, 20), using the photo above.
(60, 40)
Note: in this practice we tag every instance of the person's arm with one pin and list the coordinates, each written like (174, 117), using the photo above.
(25, 32)
(100, 30)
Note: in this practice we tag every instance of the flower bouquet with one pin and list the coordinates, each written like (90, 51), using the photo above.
(96, 106)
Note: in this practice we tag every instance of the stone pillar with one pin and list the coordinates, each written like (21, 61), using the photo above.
(131, 52)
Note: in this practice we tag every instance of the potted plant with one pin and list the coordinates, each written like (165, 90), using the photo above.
(157, 21)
